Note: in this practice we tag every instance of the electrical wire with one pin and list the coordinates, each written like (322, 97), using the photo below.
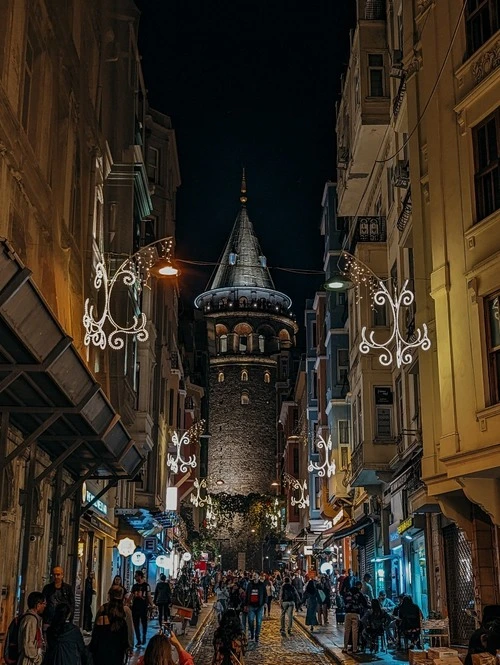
(298, 271)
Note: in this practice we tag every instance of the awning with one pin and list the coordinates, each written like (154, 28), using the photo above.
(353, 528)
(46, 389)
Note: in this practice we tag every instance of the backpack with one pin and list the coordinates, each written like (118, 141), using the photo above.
(11, 643)
(288, 593)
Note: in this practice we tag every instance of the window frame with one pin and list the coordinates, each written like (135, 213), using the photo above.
(489, 8)
(493, 352)
(379, 69)
(153, 169)
(481, 174)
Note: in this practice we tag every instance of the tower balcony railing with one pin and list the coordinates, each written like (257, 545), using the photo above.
(247, 305)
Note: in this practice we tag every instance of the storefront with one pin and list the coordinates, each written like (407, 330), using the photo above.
(409, 560)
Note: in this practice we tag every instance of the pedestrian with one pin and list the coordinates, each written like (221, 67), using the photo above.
(110, 635)
(340, 580)
(57, 592)
(323, 601)
(374, 622)
(229, 641)
(410, 620)
(30, 636)
(159, 652)
(311, 599)
(289, 598)
(389, 606)
(255, 600)
(205, 585)
(347, 583)
(117, 581)
(163, 599)
(88, 596)
(222, 597)
(366, 587)
(355, 607)
(65, 644)
(298, 583)
(141, 602)
(268, 581)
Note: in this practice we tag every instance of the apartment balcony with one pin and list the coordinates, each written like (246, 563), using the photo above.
(365, 229)
(370, 464)
(364, 112)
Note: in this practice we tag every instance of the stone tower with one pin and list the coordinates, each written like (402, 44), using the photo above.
(251, 331)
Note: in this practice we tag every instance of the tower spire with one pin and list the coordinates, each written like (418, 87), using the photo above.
(243, 189)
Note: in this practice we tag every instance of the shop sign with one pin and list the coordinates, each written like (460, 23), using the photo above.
(127, 511)
(99, 505)
(308, 550)
(405, 525)
(383, 395)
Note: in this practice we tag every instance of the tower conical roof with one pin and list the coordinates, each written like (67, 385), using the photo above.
(242, 263)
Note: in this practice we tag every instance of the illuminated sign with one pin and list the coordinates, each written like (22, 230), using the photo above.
(405, 525)
(308, 550)
(338, 517)
(99, 505)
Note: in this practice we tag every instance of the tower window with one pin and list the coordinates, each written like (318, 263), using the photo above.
(220, 377)
(233, 258)
(245, 397)
(262, 343)
(244, 375)
(223, 344)
(267, 377)
(243, 343)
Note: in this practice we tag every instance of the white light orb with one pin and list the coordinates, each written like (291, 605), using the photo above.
(162, 561)
(138, 558)
(186, 556)
(326, 568)
(126, 546)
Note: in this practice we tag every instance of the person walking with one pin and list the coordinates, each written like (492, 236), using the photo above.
(323, 601)
(110, 637)
(229, 641)
(255, 600)
(65, 644)
(117, 581)
(55, 593)
(311, 599)
(366, 587)
(355, 607)
(298, 583)
(141, 602)
(159, 652)
(88, 596)
(268, 581)
(288, 599)
(163, 599)
(205, 585)
(30, 636)
(347, 583)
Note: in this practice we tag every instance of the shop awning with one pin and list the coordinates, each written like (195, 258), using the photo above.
(353, 528)
(46, 390)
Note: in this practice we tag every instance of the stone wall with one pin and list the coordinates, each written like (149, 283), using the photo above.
(242, 448)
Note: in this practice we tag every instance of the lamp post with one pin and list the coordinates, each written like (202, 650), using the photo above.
(134, 272)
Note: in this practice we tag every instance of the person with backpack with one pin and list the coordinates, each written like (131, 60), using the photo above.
(163, 599)
(288, 599)
(29, 640)
(65, 644)
(355, 607)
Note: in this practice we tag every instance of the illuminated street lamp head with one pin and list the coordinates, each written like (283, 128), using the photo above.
(164, 268)
(275, 484)
(337, 283)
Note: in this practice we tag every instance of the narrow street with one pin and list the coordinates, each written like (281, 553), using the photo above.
(297, 649)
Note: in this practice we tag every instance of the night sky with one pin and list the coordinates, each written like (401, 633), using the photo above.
(249, 84)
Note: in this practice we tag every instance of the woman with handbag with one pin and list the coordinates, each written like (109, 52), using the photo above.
(311, 598)
(322, 603)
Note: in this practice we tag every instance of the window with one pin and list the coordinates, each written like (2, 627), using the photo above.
(29, 70)
(342, 366)
(344, 457)
(244, 375)
(317, 493)
(267, 377)
(295, 455)
(220, 377)
(313, 335)
(262, 342)
(245, 397)
(379, 315)
(223, 344)
(376, 74)
(493, 316)
(487, 165)
(399, 405)
(482, 19)
(343, 432)
(360, 419)
(243, 341)
(153, 164)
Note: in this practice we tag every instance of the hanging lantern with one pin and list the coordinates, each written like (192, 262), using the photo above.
(126, 546)
(138, 558)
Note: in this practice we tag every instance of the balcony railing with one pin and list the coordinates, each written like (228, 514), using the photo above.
(366, 229)
(405, 212)
(398, 99)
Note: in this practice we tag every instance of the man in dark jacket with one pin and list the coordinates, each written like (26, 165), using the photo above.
(55, 593)
(163, 599)
(288, 598)
(255, 600)
(355, 606)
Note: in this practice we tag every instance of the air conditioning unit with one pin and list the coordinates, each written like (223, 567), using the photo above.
(401, 175)
(397, 70)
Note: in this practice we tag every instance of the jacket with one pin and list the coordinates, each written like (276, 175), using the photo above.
(67, 648)
(289, 594)
(54, 597)
(30, 639)
(163, 593)
(261, 594)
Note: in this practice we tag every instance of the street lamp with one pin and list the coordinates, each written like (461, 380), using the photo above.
(134, 272)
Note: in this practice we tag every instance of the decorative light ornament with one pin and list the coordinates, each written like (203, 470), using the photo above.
(326, 568)
(178, 463)
(275, 515)
(303, 500)
(327, 468)
(403, 347)
(126, 546)
(138, 558)
(134, 273)
(196, 499)
(162, 561)
(187, 556)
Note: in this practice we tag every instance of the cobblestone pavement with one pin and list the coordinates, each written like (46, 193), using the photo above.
(272, 649)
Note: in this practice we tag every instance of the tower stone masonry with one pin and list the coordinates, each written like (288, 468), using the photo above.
(251, 332)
